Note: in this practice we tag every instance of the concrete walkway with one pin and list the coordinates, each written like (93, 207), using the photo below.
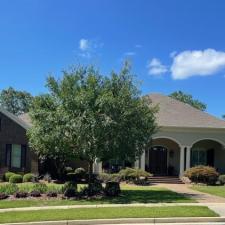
(185, 189)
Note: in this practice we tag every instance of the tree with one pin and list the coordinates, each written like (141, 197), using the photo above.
(16, 102)
(91, 116)
(188, 99)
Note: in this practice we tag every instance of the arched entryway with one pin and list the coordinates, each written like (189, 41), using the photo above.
(208, 152)
(163, 157)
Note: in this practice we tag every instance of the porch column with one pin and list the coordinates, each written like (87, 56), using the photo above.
(137, 164)
(143, 161)
(97, 167)
(188, 157)
(182, 160)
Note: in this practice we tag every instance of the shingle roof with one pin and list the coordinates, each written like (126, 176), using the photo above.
(16, 119)
(173, 113)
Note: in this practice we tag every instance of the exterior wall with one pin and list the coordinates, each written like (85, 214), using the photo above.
(12, 133)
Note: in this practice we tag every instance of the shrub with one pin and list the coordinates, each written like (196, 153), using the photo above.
(106, 177)
(138, 176)
(222, 179)
(69, 185)
(35, 194)
(112, 189)
(202, 174)
(16, 178)
(3, 196)
(21, 194)
(69, 169)
(41, 187)
(80, 172)
(92, 189)
(55, 188)
(7, 176)
(52, 194)
(47, 177)
(8, 189)
(29, 177)
(70, 193)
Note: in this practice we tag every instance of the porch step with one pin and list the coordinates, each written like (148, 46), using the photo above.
(165, 179)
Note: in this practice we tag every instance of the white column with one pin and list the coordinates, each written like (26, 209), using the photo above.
(143, 161)
(182, 160)
(137, 164)
(188, 157)
(97, 167)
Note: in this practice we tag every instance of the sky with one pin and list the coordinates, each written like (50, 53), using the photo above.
(173, 45)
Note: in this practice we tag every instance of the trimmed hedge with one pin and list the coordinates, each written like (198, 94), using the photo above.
(16, 178)
(112, 189)
(7, 176)
(28, 177)
(202, 174)
(8, 189)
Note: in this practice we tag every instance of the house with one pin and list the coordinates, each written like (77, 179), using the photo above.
(187, 137)
(15, 154)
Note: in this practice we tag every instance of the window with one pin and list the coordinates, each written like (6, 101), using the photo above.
(198, 157)
(16, 156)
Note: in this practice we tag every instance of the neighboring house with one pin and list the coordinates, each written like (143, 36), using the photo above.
(186, 137)
(15, 154)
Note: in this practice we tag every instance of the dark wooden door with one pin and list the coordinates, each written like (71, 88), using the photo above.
(158, 160)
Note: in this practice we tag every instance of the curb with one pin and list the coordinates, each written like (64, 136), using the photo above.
(127, 221)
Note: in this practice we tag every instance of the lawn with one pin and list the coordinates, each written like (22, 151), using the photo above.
(106, 213)
(130, 194)
(214, 190)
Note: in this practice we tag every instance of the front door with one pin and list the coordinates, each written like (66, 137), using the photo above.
(158, 160)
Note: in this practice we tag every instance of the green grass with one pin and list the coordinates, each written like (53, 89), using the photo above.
(106, 213)
(213, 190)
(130, 194)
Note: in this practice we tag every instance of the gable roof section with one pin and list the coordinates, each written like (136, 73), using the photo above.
(173, 113)
(15, 118)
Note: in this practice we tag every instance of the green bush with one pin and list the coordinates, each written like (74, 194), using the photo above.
(92, 189)
(28, 177)
(16, 178)
(71, 177)
(80, 173)
(8, 189)
(41, 187)
(7, 176)
(68, 169)
(112, 189)
(137, 176)
(106, 177)
(222, 179)
(69, 185)
(202, 174)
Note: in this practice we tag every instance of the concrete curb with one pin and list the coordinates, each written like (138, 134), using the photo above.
(127, 221)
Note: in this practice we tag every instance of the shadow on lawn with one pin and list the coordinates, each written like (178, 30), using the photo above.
(145, 196)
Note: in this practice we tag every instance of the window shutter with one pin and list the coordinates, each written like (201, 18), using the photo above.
(23, 156)
(8, 151)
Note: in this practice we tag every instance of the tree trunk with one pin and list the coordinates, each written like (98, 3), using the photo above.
(90, 172)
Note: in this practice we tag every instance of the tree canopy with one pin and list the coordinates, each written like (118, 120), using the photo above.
(16, 102)
(188, 99)
(92, 116)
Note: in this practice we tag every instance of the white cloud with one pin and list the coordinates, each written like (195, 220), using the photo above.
(138, 46)
(130, 53)
(197, 63)
(84, 44)
(156, 68)
(88, 48)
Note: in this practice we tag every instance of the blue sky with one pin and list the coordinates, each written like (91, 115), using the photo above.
(173, 45)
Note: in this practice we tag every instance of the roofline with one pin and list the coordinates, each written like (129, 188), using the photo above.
(201, 128)
(15, 118)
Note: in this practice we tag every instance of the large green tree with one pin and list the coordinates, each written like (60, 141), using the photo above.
(16, 102)
(91, 116)
(188, 99)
